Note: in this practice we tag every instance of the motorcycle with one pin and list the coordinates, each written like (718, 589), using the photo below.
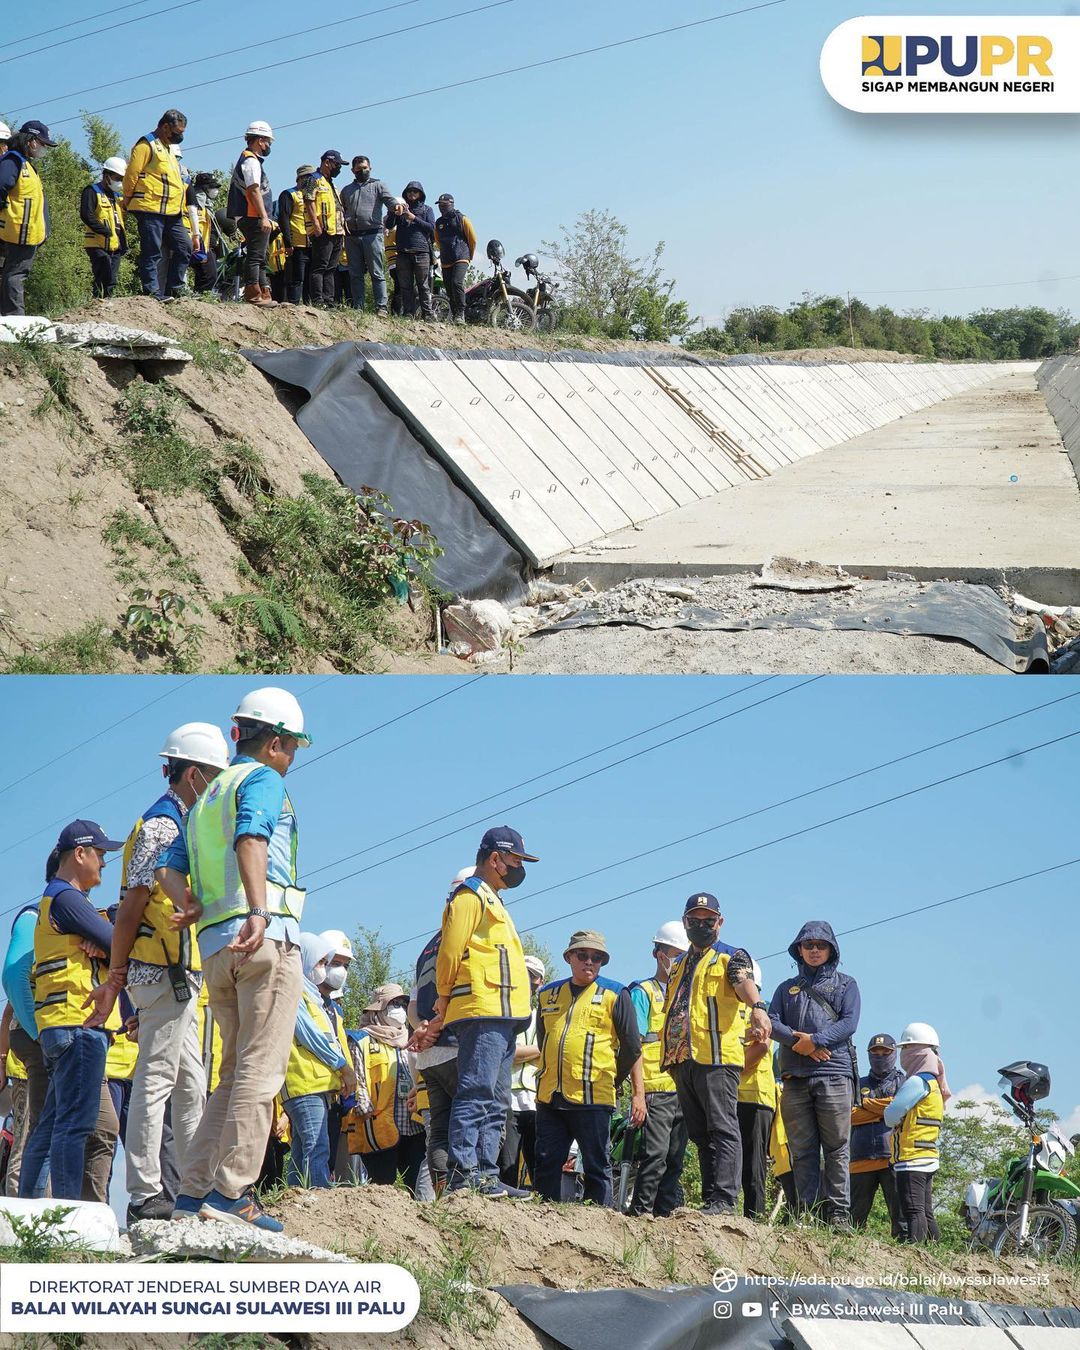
(1033, 1209)
(541, 296)
(494, 301)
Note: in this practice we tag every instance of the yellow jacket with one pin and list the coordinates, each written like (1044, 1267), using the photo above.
(778, 1144)
(62, 975)
(121, 1057)
(327, 206)
(757, 1086)
(156, 942)
(22, 217)
(716, 1023)
(306, 1073)
(652, 1045)
(480, 966)
(14, 1067)
(381, 1066)
(917, 1140)
(152, 182)
(107, 209)
(579, 1054)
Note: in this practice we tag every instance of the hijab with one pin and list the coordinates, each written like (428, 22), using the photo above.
(925, 1059)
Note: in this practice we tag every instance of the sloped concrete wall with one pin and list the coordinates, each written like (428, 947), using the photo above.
(1059, 380)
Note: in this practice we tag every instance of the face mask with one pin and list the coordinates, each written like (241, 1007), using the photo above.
(396, 1016)
(700, 932)
(333, 173)
(318, 974)
(176, 137)
(335, 977)
(362, 175)
(663, 962)
(513, 876)
(266, 152)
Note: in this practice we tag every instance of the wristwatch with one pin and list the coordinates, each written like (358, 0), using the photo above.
(762, 1005)
(261, 914)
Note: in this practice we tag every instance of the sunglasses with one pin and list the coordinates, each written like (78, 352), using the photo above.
(588, 958)
(816, 946)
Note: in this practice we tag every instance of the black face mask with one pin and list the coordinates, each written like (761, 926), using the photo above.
(176, 137)
(333, 173)
(701, 932)
(513, 877)
(361, 175)
(266, 152)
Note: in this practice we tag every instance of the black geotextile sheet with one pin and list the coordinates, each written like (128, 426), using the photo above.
(747, 1317)
(367, 445)
(976, 615)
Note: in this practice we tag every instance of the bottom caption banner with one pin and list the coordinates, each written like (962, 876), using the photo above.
(191, 1297)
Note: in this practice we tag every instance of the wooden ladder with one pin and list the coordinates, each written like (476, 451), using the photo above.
(741, 459)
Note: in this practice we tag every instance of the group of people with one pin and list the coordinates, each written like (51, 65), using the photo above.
(198, 1021)
(295, 246)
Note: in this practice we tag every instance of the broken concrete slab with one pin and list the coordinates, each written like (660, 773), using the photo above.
(85, 1224)
(213, 1240)
(793, 574)
(108, 340)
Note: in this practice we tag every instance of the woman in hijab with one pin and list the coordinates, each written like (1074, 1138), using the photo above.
(390, 1141)
(914, 1115)
(320, 1066)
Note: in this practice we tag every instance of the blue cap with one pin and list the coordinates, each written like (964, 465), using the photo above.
(86, 834)
(38, 130)
(506, 840)
(702, 901)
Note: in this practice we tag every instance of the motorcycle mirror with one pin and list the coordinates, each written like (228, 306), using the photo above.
(495, 250)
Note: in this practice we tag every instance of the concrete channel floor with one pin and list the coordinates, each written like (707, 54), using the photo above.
(931, 494)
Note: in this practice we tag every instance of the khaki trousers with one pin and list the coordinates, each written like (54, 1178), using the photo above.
(255, 1006)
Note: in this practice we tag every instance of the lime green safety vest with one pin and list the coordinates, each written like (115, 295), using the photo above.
(210, 828)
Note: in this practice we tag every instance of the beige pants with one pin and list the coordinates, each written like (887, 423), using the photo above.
(169, 1066)
(255, 1006)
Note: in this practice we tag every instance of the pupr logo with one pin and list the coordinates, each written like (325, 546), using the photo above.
(882, 55)
(913, 55)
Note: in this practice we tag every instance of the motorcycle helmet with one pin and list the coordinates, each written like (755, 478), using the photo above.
(529, 261)
(1025, 1081)
(495, 251)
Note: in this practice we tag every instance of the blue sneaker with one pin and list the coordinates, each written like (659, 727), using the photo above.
(244, 1210)
(491, 1188)
(187, 1207)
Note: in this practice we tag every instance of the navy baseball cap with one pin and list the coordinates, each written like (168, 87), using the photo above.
(882, 1040)
(332, 154)
(702, 901)
(38, 130)
(506, 840)
(86, 834)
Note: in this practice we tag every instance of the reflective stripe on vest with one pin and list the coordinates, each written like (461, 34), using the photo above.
(757, 1086)
(380, 1130)
(327, 205)
(22, 218)
(209, 1039)
(917, 1138)
(580, 1047)
(106, 209)
(159, 189)
(63, 975)
(716, 1025)
(210, 830)
(492, 980)
(156, 941)
(306, 1073)
(652, 1045)
(298, 221)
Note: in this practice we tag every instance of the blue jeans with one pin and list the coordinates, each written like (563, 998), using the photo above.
(152, 230)
(558, 1124)
(478, 1115)
(309, 1151)
(365, 255)
(75, 1059)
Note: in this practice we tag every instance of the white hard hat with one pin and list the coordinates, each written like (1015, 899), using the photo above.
(177, 152)
(337, 942)
(197, 742)
(672, 935)
(535, 966)
(757, 972)
(114, 164)
(919, 1033)
(260, 129)
(5, 132)
(277, 708)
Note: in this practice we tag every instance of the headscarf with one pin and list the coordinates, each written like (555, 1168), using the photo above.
(313, 951)
(925, 1059)
(373, 1021)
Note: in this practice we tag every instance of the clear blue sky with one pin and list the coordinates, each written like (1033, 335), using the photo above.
(720, 140)
(995, 974)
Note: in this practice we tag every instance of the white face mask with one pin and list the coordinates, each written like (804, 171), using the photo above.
(318, 974)
(396, 1016)
(335, 977)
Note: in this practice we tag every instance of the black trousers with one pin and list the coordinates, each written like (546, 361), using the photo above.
(914, 1192)
(441, 1080)
(709, 1095)
(453, 275)
(558, 1124)
(17, 260)
(755, 1126)
(296, 269)
(205, 273)
(864, 1186)
(322, 268)
(256, 241)
(519, 1146)
(105, 268)
(404, 1159)
(414, 279)
(658, 1189)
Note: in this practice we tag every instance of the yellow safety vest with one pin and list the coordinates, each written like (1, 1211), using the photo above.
(778, 1143)
(716, 1026)
(298, 221)
(423, 1100)
(306, 1073)
(275, 253)
(156, 941)
(22, 218)
(107, 209)
(158, 189)
(525, 1076)
(63, 975)
(917, 1138)
(390, 246)
(652, 1046)
(327, 205)
(380, 1130)
(120, 1061)
(209, 1039)
(757, 1086)
(491, 979)
(580, 1049)
(14, 1067)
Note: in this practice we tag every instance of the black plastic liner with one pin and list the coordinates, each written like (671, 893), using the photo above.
(973, 614)
(366, 444)
(682, 1318)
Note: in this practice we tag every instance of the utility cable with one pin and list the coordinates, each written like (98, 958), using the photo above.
(809, 829)
(185, 4)
(980, 286)
(59, 27)
(604, 768)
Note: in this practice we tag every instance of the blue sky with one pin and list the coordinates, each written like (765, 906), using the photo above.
(719, 140)
(993, 973)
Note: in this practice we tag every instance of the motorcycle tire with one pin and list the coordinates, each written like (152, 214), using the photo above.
(513, 314)
(440, 305)
(547, 319)
(1051, 1235)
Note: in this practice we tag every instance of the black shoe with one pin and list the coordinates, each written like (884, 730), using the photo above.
(717, 1207)
(156, 1207)
(840, 1223)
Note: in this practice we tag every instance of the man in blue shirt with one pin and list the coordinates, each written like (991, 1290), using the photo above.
(239, 847)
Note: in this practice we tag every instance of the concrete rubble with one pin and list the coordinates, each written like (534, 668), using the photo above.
(210, 1240)
(97, 338)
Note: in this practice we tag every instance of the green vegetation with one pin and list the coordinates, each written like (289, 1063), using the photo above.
(825, 321)
(372, 965)
(160, 623)
(87, 651)
(29, 353)
(156, 456)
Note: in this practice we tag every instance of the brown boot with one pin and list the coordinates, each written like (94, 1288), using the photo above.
(268, 297)
(253, 295)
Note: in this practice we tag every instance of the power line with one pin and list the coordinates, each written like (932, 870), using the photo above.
(980, 286)
(512, 70)
(660, 745)
(97, 735)
(290, 61)
(525, 782)
(185, 4)
(809, 829)
(229, 51)
(59, 27)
